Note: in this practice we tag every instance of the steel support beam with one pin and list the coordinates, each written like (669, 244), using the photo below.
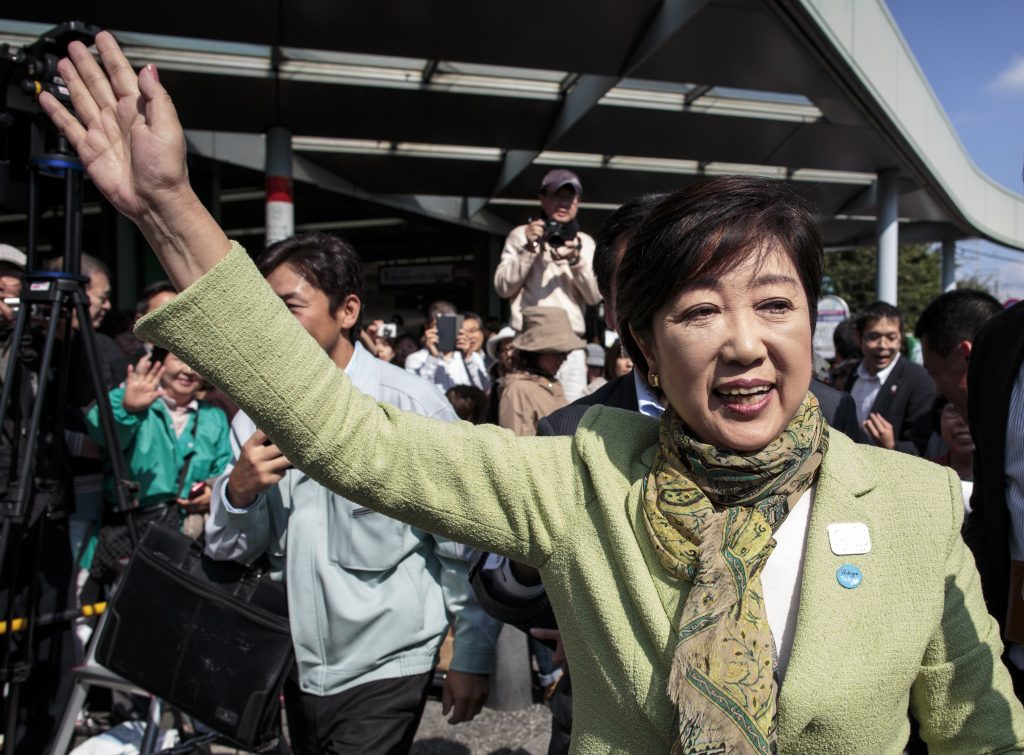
(588, 89)
(280, 216)
(248, 151)
(948, 265)
(887, 234)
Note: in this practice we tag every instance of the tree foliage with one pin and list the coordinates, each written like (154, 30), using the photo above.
(853, 273)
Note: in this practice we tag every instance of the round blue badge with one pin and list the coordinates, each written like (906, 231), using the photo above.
(849, 576)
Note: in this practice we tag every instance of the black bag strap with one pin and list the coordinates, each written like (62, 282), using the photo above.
(183, 472)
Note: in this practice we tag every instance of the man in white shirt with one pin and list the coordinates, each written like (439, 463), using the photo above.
(894, 396)
(446, 369)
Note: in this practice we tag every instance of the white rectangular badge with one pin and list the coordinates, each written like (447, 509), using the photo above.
(849, 538)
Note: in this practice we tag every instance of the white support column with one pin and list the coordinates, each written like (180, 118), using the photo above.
(887, 233)
(948, 265)
(280, 220)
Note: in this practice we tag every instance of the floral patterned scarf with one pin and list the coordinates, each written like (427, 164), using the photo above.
(711, 514)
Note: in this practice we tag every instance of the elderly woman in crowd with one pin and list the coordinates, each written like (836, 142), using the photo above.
(735, 578)
(534, 392)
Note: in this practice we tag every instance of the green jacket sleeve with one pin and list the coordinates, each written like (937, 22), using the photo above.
(481, 486)
(127, 423)
(219, 441)
(963, 697)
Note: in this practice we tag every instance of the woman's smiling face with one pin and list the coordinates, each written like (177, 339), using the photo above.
(733, 353)
(180, 381)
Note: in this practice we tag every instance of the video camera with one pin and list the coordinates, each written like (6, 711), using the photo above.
(27, 71)
(32, 69)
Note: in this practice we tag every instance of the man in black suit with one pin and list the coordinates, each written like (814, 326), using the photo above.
(894, 396)
(994, 529)
(947, 328)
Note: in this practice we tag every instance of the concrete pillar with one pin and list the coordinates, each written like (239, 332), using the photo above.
(948, 265)
(280, 221)
(494, 302)
(887, 233)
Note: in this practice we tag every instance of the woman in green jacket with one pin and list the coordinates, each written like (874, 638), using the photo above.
(173, 444)
(733, 579)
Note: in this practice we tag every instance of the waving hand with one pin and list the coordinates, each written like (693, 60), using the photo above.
(133, 148)
(129, 140)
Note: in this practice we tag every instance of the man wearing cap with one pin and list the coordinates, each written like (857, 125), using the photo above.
(534, 392)
(12, 267)
(549, 262)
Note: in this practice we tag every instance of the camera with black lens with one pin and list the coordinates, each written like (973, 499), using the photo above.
(559, 234)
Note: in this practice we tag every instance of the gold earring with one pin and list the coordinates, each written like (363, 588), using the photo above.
(652, 378)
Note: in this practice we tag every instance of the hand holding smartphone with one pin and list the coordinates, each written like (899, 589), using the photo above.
(448, 329)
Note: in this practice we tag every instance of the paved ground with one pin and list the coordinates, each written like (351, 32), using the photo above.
(519, 732)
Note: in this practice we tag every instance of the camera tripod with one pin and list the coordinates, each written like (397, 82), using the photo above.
(36, 489)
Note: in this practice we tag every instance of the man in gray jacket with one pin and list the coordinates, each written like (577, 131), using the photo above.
(369, 597)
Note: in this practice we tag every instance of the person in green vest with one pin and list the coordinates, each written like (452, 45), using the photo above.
(174, 444)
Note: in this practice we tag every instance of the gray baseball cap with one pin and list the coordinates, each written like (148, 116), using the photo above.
(559, 177)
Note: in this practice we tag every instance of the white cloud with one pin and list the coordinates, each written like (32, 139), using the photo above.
(1011, 79)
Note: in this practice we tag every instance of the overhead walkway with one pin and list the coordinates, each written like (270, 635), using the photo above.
(422, 112)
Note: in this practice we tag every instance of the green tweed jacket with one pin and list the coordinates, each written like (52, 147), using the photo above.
(914, 635)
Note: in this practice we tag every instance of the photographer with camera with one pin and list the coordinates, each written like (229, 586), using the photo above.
(549, 262)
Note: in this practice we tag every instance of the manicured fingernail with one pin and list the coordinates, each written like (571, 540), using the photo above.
(152, 70)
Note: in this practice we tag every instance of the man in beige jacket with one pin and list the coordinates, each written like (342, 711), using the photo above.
(549, 262)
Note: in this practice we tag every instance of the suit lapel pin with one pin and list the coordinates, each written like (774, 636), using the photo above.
(893, 389)
(849, 576)
(849, 538)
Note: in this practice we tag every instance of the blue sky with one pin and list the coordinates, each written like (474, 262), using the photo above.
(973, 56)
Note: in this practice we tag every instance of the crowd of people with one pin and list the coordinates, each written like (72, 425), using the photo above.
(714, 546)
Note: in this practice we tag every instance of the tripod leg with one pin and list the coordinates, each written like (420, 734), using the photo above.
(12, 358)
(66, 730)
(10, 557)
(151, 738)
(114, 451)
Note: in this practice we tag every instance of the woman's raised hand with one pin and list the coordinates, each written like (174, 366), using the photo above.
(142, 386)
(133, 147)
(129, 138)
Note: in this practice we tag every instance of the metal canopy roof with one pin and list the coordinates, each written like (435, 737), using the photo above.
(453, 111)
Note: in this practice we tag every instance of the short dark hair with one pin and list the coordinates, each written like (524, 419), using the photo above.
(469, 403)
(439, 307)
(89, 266)
(611, 356)
(846, 344)
(877, 311)
(704, 231)
(953, 317)
(328, 262)
(153, 289)
(621, 222)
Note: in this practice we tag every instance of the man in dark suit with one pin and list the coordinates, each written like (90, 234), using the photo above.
(947, 328)
(995, 412)
(894, 396)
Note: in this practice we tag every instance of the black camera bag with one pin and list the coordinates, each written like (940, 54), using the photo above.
(209, 637)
